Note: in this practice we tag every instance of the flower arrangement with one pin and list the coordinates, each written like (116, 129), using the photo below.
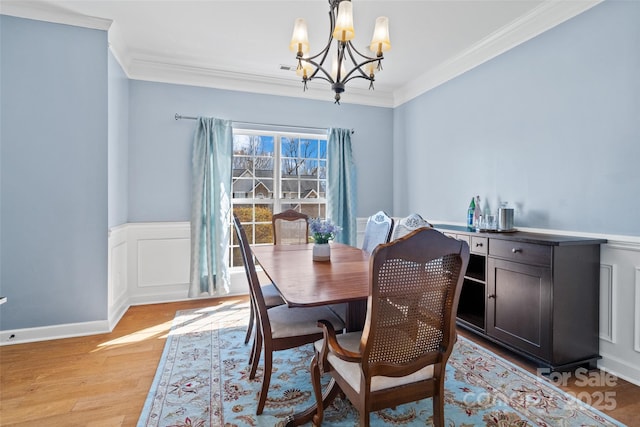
(323, 230)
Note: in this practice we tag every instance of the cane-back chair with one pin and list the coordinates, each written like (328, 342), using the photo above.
(409, 332)
(290, 228)
(280, 327)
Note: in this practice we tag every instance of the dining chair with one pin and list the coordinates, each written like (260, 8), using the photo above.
(406, 225)
(290, 228)
(401, 354)
(280, 327)
(377, 230)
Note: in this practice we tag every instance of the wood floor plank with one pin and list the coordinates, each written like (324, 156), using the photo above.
(103, 380)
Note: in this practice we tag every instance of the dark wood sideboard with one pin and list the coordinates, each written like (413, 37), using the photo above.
(535, 294)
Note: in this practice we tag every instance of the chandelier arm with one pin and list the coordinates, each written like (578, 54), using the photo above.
(324, 52)
(319, 67)
(352, 47)
(358, 67)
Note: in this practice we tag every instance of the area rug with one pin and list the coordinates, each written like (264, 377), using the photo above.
(202, 381)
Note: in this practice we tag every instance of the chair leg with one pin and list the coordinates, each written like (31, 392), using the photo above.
(255, 353)
(251, 321)
(438, 403)
(364, 418)
(266, 379)
(317, 391)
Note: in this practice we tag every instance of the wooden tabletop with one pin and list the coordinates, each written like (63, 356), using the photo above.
(303, 282)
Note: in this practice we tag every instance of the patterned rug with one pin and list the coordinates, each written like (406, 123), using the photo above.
(202, 381)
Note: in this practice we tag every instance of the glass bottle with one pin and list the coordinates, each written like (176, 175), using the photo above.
(477, 214)
(470, 213)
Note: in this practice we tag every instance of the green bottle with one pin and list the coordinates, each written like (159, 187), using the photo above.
(470, 212)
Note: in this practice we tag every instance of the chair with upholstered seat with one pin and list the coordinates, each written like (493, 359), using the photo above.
(290, 228)
(409, 332)
(280, 327)
(377, 231)
(406, 225)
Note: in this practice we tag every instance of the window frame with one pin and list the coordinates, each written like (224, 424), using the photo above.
(277, 199)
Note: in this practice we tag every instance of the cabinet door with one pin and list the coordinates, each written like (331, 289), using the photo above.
(519, 306)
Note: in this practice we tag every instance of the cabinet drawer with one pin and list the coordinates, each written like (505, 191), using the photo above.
(479, 245)
(522, 252)
(464, 238)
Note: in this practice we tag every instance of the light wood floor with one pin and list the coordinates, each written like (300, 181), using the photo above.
(103, 380)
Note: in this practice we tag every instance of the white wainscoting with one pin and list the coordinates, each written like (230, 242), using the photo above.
(620, 308)
(118, 298)
(149, 263)
(157, 263)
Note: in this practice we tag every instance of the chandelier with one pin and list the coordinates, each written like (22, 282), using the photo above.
(360, 66)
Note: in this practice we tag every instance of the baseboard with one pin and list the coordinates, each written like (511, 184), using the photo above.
(46, 333)
(117, 311)
(620, 368)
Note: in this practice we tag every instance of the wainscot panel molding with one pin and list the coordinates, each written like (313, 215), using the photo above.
(149, 263)
(637, 313)
(157, 259)
(607, 303)
(158, 263)
(620, 309)
(117, 292)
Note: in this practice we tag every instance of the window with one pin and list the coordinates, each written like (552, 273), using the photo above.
(273, 172)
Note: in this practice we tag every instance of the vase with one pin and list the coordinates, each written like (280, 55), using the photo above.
(321, 252)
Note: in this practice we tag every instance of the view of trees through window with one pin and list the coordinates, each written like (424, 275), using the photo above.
(273, 172)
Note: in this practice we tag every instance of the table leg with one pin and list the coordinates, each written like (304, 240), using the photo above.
(307, 415)
(356, 315)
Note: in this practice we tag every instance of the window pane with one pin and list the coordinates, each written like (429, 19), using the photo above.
(263, 213)
(264, 233)
(311, 210)
(244, 212)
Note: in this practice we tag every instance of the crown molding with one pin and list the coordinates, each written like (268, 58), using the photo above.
(41, 11)
(163, 69)
(159, 70)
(540, 19)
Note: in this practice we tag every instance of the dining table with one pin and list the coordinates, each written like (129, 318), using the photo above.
(302, 282)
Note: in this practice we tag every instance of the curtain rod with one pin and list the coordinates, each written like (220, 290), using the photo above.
(181, 117)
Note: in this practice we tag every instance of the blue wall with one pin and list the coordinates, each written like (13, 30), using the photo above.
(53, 173)
(552, 127)
(160, 146)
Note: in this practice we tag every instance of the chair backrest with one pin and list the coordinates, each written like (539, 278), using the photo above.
(415, 285)
(255, 290)
(290, 228)
(377, 231)
(406, 225)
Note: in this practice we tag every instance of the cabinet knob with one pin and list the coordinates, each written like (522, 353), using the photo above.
(492, 295)
(478, 245)
(516, 250)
